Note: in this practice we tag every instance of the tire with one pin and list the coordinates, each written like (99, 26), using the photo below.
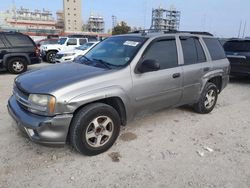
(205, 105)
(50, 57)
(17, 65)
(88, 134)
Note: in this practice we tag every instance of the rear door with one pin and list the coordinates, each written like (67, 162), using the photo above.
(193, 58)
(162, 88)
(238, 53)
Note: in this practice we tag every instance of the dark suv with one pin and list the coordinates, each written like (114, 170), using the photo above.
(238, 53)
(17, 51)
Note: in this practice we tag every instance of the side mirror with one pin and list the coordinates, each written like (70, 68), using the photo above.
(149, 65)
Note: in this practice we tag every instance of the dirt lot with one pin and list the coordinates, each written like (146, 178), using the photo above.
(171, 148)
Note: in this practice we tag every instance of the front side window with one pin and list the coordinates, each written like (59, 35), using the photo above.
(215, 49)
(82, 41)
(164, 52)
(72, 42)
(192, 50)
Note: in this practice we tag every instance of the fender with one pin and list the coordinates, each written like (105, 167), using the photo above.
(100, 94)
(210, 75)
(23, 55)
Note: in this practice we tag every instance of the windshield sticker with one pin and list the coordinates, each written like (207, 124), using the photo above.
(131, 43)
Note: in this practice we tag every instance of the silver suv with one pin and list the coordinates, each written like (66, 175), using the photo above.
(86, 102)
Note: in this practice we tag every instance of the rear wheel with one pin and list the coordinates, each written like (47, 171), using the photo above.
(50, 57)
(17, 65)
(207, 100)
(94, 129)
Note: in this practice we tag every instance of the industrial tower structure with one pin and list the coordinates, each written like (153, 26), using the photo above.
(95, 24)
(163, 19)
(72, 15)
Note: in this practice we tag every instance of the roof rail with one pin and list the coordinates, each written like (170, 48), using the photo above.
(144, 32)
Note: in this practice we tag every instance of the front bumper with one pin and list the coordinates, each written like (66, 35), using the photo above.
(64, 59)
(40, 129)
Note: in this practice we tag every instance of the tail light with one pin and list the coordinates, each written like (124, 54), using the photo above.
(37, 51)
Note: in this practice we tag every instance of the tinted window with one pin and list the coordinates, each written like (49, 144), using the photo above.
(237, 46)
(164, 52)
(72, 42)
(19, 40)
(215, 49)
(61, 41)
(189, 51)
(200, 52)
(82, 41)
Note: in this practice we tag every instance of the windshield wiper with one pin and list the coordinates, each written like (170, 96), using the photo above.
(106, 64)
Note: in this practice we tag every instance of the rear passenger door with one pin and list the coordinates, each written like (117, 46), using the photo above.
(162, 88)
(193, 70)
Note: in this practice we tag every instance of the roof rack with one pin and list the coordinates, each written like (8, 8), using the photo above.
(146, 31)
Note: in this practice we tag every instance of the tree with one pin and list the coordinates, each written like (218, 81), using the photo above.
(121, 28)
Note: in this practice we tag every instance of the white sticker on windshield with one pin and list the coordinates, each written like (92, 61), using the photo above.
(131, 43)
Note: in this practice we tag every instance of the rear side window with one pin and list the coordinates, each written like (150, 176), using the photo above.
(19, 40)
(192, 51)
(215, 49)
(237, 46)
(164, 52)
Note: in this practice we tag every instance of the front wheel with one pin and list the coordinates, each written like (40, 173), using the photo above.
(94, 129)
(207, 99)
(50, 57)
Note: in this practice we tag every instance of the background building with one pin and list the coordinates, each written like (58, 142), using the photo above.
(60, 20)
(28, 21)
(163, 19)
(72, 16)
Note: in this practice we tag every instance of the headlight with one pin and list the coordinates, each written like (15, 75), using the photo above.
(70, 54)
(42, 104)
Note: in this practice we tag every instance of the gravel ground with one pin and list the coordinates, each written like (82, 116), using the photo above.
(171, 148)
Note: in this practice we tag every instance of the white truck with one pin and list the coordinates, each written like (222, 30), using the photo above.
(48, 52)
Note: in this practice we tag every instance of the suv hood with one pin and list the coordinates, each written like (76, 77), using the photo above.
(51, 46)
(54, 77)
(70, 51)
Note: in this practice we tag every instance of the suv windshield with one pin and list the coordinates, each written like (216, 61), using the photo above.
(85, 46)
(115, 51)
(61, 41)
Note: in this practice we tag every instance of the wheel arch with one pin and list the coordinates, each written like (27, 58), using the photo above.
(8, 57)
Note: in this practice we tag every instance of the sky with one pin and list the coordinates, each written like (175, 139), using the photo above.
(220, 17)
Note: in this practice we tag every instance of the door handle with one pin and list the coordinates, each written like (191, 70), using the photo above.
(176, 75)
(206, 69)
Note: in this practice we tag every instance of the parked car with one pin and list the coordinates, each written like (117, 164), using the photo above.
(238, 53)
(86, 102)
(70, 55)
(46, 42)
(48, 52)
(17, 51)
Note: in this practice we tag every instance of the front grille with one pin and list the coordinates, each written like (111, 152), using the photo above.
(21, 97)
(59, 56)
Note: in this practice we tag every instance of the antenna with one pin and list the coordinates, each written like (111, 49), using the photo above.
(244, 30)
(240, 29)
